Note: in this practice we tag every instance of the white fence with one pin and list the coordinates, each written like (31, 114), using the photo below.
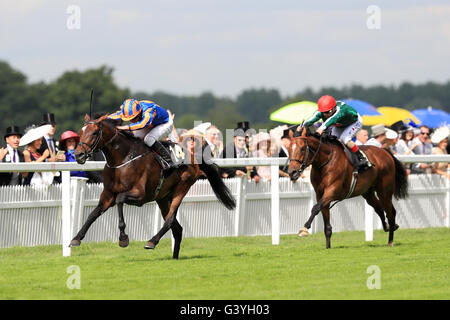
(52, 215)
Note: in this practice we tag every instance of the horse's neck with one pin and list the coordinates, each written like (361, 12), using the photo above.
(116, 147)
(324, 148)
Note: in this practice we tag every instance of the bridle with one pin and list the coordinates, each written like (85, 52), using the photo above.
(93, 147)
(304, 164)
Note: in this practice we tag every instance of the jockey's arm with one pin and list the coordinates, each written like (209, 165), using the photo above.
(146, 121)
(115, 115)
(315, 117)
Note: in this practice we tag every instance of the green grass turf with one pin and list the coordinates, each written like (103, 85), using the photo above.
(417, 267)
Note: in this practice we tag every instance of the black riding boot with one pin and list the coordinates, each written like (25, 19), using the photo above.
(364, 162)
(165, 155)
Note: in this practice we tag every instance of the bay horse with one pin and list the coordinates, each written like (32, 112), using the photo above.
(332, 174)
(132, 175)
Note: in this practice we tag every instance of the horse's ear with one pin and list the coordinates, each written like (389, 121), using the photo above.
(87, 118)
(291, 134)
(304, 132)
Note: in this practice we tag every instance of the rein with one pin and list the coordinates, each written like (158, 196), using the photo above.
(94, 146)
(304, 164)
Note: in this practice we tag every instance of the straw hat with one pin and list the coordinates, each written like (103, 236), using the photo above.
(192, 134)
(35, 133)
(440, 134)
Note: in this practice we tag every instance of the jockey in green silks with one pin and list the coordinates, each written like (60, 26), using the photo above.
(345, 122)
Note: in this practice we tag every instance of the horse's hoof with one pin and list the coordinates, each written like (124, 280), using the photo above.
(396, 226)
(75, 243)
(303, 233)
(123, 243)
(390, 244)
(150, 245)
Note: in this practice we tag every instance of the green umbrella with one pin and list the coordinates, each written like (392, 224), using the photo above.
(294, 113)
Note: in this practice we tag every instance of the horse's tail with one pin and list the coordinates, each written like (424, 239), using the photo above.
(401, 178)
(220, 189)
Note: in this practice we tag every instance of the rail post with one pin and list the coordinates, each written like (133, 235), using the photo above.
(275, 203)
(65, 213)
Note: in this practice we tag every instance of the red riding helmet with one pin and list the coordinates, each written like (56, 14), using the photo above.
(326, 103)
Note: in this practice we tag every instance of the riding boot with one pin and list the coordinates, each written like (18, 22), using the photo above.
(364, 162)
(165, 155)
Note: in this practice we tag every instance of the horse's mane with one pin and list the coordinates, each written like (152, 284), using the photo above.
(117, 122)
(326, 138)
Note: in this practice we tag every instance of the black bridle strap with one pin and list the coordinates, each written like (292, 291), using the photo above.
(93, 146)
(305, 164)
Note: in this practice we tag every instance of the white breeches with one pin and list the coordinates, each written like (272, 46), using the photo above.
(150, 135)
(347, 133)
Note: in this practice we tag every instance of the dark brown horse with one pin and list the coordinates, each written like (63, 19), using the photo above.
(132, 175)
(332, 174)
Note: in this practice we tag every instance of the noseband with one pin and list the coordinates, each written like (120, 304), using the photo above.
(304, 164)
(93, 147)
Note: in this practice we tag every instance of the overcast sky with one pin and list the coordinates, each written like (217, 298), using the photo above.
(189, 47)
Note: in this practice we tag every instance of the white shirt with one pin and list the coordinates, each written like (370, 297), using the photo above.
(50, 144)
(373, 142)
(11, 153)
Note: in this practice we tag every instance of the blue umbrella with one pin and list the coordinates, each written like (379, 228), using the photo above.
(363, 108)
(433, 118)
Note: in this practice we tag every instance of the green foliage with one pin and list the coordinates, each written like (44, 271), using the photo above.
(68, 96)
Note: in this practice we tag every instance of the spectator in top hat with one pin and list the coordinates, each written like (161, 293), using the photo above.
(236, 149)
(378, 136)
(12, 154)
(284, 151)
(48, 141)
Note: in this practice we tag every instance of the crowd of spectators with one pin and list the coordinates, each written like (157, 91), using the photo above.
(400, 138)
(39, 145)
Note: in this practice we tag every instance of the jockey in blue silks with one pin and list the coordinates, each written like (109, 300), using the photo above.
(149, 122)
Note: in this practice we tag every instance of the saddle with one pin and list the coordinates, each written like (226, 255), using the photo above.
(351, 156)
(176, 154)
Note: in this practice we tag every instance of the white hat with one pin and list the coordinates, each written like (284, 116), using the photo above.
(202, 127)
(35, 133)
(391, 134)
(440, 134)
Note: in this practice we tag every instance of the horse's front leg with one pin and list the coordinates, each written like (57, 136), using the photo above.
(120, 200)
(323, 200)
(105, 202)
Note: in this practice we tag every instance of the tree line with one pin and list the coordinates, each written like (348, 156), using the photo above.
(23, 103)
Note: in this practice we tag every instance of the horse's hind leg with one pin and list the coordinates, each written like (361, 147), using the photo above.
(327, 229)
(386, 201)
(373, 201)
(177, 232)
(169, 209)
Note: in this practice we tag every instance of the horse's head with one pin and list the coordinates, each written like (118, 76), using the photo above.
(91, 138)
(298, 154)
